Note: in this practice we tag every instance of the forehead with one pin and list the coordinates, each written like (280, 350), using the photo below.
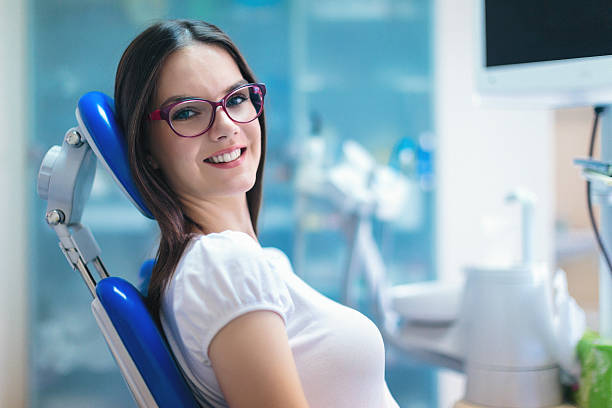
(199, 70)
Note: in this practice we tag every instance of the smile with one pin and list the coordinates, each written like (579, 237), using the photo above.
(227, 158)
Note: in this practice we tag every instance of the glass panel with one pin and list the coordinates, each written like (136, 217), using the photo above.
(363, 73)
(334, 71)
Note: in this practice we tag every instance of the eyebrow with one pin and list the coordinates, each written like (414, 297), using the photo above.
(176, 98)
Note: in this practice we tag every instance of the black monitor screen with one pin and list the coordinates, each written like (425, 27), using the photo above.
(523, 31)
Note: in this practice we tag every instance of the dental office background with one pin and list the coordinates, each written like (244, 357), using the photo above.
(395, 76)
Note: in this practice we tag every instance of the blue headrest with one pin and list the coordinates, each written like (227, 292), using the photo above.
(96, 116)
(143, 341)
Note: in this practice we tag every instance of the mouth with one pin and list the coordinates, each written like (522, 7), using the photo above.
(226, 156)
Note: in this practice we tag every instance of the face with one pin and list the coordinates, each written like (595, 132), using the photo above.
(192, 165)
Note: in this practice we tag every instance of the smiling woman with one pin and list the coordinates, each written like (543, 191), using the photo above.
(145, 80)
(246, 331)
(206, 191)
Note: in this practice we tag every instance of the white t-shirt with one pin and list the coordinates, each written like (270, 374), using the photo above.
(339, 353)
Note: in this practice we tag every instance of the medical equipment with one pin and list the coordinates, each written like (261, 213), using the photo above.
(595, 166)
(64, 180)
(538, 54)
(547, 62)
(550, 64)
(501, 328)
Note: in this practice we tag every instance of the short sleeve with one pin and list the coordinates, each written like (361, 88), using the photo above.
(220, 277)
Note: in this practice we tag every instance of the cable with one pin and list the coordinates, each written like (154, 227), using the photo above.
(598, 110)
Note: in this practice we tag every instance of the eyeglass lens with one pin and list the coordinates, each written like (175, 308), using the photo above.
(191, 118)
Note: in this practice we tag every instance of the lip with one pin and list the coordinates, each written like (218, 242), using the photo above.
(231, 164)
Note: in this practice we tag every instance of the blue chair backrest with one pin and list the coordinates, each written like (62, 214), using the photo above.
(122, 302)
(126, 310)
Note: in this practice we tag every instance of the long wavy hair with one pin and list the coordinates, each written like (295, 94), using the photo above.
(135, 87)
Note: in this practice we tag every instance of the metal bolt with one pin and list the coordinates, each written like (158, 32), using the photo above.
(73, 138)
(55, 217)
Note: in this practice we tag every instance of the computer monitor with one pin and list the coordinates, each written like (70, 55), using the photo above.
(551, 53)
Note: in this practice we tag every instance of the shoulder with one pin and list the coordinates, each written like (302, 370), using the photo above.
(220, 277)
(279, 261)
(228, 250)
(228, 268)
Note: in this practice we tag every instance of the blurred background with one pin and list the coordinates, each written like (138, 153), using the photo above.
(395, 76)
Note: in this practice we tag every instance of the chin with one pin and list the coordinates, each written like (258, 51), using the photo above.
(243, 187)
(250, 186)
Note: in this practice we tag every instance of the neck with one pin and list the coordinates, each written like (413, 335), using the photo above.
(218, 214)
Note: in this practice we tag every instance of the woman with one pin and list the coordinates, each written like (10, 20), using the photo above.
(246, 331)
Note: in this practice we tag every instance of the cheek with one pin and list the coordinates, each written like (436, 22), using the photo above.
(170, 154)
(157, 144)
(255, 139)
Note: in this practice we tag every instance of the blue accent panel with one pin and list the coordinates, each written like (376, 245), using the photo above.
(143, 341)
(144, 275)
(98, 114)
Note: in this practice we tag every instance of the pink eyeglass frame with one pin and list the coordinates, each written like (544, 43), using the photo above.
(163, 113)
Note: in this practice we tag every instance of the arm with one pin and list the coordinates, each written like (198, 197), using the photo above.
(254, 365)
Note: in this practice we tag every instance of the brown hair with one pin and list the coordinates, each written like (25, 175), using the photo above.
(135, 87)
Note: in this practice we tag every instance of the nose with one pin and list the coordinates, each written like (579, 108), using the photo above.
(222, 127)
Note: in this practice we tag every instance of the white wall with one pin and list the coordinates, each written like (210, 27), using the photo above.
(13, 212)
(482, 153)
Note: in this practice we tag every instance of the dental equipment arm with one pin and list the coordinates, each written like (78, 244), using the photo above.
(65, 180)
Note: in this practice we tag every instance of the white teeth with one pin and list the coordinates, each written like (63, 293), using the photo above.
(226, 157)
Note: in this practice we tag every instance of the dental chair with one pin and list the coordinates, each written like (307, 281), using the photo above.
(64, 180)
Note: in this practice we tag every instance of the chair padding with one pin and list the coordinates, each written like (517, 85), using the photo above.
(96, 115)
(143, 341)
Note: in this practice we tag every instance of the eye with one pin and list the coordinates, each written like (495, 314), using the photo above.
(236, 99)
(184, 114)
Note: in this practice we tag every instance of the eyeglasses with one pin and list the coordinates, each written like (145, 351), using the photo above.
(194, 117)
